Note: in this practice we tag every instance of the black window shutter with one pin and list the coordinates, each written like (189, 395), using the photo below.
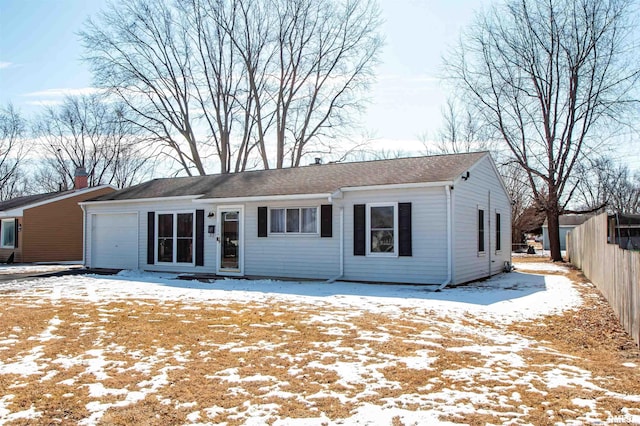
(151, 230)
(404, 229)
(199, 237)
(262, 221)
(326, 221)
(15, 233)
(359, 231)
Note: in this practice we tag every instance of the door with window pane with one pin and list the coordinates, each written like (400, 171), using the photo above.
(230, 240)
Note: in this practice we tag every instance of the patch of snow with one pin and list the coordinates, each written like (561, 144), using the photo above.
(504, 298)
(542, 267)
(34, 268)
(27, 365)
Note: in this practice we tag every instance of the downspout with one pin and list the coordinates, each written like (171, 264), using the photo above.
(84, 234)
(331, 280)
(447, 190)
(489, 230)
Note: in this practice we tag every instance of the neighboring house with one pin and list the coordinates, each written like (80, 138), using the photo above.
(434, 220)
(624, 230)
(46, 227)
(567, 223)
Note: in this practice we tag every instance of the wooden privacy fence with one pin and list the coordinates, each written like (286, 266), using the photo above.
(614, 271)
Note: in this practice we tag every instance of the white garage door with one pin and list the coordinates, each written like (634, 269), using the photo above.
(114, 241)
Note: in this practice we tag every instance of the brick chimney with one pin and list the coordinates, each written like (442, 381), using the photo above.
(80, 180)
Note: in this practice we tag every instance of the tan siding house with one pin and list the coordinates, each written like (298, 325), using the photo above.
(45, 227)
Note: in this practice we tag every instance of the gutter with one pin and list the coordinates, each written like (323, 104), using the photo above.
(140, 200)
(258, 198)
(447, 190)
(84, 233)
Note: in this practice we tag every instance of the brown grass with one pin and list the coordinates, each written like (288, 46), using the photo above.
(287, 362)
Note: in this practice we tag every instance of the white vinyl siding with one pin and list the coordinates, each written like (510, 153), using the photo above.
(481, 191)
(428, 262)
(303, 255)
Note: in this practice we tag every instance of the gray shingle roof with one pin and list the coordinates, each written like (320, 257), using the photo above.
(19, 202)
(571, 219)
(313, 179)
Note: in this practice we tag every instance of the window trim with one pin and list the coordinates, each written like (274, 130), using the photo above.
(15, 234)
(174, 237)
(316, 232)
(396, 230)
(480, 231)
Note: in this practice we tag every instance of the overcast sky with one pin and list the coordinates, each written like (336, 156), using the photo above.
(40, 61)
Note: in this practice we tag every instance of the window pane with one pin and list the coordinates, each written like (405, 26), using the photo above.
(165, 225)
(382, 217)
(230, 216)
(277, 220)
(165, 249)
(8, 233)
(185, 225)
(293, 220)
(381, 241)
(498, 232)
(185, 250)
(480, 230)
(165, 238)
(309, 220)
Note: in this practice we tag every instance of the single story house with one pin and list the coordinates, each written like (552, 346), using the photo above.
(567, 222)
(46, 227)
(434, 220)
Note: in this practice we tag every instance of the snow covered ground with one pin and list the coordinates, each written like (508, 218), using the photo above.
(301, 353)
(506, 298)
(35, 268)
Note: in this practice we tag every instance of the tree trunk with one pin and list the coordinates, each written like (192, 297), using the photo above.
(553, 223)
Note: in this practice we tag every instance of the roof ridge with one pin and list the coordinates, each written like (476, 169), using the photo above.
(331, 163)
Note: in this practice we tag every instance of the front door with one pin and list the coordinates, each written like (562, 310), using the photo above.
(230, 250)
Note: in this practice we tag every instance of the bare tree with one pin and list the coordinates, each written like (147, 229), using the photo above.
(88, 132)
(325, 54)
(140, 51)
(238, 79)
(461, 131)
(604, 185)
(12, 127)
(554, 78)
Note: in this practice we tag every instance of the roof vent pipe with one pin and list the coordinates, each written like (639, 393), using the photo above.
(81, 179)
(318, 160)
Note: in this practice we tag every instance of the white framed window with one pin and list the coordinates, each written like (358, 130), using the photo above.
(481, 236)
(8, 232)
(382, 229)
(293, 220)
(498, 243)
(175, 237)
